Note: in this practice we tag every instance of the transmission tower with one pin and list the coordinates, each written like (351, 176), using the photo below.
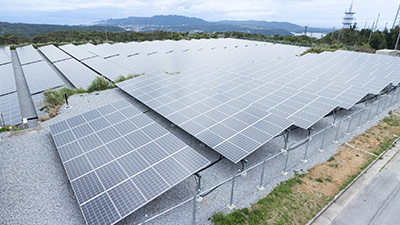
(348, 18)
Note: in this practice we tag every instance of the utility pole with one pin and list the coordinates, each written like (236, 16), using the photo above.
(395, 18)
(397, 42)
(366, 24)
(372, 30)
(377, 21)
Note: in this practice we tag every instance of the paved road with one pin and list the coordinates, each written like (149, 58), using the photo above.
(374, 199)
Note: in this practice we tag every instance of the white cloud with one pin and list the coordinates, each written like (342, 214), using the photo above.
(325, 13)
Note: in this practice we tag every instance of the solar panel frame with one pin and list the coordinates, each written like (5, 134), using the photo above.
(53, 53)
(40, 77)
(77, 52)
(28, 55)
(77, 73)
(5, 55)
(116, 187)
(7, 77)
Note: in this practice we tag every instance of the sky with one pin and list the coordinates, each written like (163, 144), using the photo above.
(314, 13)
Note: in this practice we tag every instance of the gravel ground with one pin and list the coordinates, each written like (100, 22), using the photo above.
(35, 188)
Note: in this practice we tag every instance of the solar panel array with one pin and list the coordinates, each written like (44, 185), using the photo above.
(77, 73)
(28, 54)
(300, 91)
(118, 159)
(10, 109)
(7, 78)
(5, 55)
(53, 53)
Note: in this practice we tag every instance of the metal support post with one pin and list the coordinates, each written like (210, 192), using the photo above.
(231, 206)
(197, 191)
(323, 140)
(334, 116)
(144, 220)
(348, 127)
(384, 106)
(3, 121)
(261, 187)
(377, 108)
(359, 120)
(337, 131)
(284, 172)
(369, 113)
(304, 160)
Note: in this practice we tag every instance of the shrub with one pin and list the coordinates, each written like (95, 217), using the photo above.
(100, 84)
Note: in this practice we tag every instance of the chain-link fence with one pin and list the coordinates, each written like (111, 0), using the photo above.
(276, 167)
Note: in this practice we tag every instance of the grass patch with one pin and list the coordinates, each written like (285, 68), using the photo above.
(124, 78)
(54, 98)
(9, 128)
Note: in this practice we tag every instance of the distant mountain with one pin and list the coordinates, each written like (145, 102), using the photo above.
(190, 24)
(32, 30)
(255, 23)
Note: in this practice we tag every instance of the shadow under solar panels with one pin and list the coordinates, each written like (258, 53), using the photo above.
(117, 160)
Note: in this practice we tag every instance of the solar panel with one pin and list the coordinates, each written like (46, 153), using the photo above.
(106, 68)
(5, 55)
(77, 73)
(76, 52)
(10, 109)
(53, 53)
(28, 54)
(40, 77)
(7, 84)
(117, 160)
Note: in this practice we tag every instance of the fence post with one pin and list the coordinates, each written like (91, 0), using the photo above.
(337, 131)
(231, 206)
(348, 127)
(261, 187)
(304, 160)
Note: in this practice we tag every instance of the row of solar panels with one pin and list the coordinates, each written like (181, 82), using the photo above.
(118, 159)
(9, 103)
(226, 107)
(40, 76)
